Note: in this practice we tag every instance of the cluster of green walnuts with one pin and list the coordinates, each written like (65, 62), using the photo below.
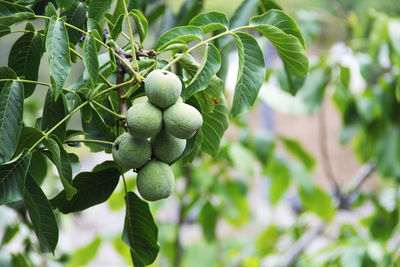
(168, 122)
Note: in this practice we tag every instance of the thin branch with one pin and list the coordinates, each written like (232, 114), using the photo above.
(122, 59)
(323, 146)
(108, 110)
(203, 43)
(306, 239)
(181, 219)
(88, 141)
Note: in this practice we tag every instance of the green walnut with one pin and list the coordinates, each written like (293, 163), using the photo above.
(166, 147)
(162, 88)
(155, 181)
(182, 120)
(130, 152)
(144, 120)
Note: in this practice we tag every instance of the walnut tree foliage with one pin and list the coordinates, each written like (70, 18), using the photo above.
(115, 73)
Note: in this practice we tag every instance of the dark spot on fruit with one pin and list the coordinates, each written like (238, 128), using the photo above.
(116, 146)
(165, 73)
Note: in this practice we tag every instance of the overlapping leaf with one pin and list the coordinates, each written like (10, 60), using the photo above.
(210, 21)
(57, 154)
(57, 49)
(24, 59)
(76, 16)
(12, 179)
(90, 60)
(11, 111)
(251, 73)
(53, 112)
(11, 13)
(42, 216)
(209, 67)
(140, 231)
(284, 34)
(97, 9)
(140, 22)
(183, 34)
(93, 188)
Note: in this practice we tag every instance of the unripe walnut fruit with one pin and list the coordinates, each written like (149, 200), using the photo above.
(182, 120)
(130, 152)
(162, 88)
(144, 120)
(166, 147)
(155, 181)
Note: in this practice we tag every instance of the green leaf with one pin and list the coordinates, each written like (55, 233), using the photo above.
(312, 91)
(251, 73)
(266, 5)
(42, 216)
(116, 29)
(266, 241)
(284, 34)
(189, 9)
(65, 4)
(9, 233)
(93, 188)
(12, 13)
(183, 34)
(82, 256)
(4, 30)
(241, 158)
(318, 201)
(141, 23)
(214, 125)
(38, 167)
(11, 112)
(29, 136)
(57, 154)
(353, 256)
(279, 173)
(24, 59)
(97, 9)
(298, 151)
(76, 16)
(237, 210)
(388, 153)
(210, 21)
(394, 34)
(209, 67)
(6, 73)
(281, 21)
(90, 60)
(49, 11)
(57, 49)
(53, 112)
(193, 147)
(12, 179)
(208, 220)
(140, 231)
(19, 260)
(243, 13)
(345, 76)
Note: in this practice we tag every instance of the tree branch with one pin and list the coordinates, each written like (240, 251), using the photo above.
(325, 158)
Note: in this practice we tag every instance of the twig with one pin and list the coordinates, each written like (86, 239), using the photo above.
(181, 219)
(323, 145)
(308, 237)
(122, 56)
(123, 108)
